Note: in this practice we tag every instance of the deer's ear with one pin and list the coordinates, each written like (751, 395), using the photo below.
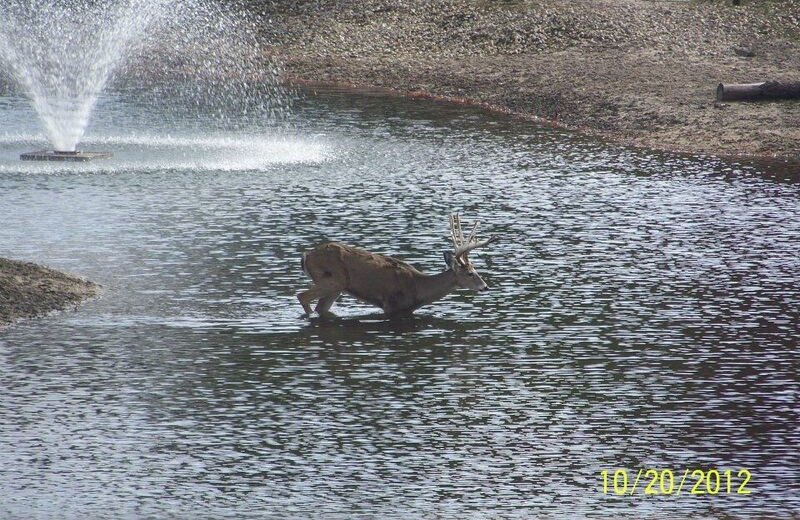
(448, 259)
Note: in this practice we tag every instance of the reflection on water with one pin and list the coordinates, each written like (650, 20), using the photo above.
(643, 313)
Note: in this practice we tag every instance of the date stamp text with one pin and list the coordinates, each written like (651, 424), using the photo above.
(650, 482)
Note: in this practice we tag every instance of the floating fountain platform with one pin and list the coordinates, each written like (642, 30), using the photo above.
(76, 156)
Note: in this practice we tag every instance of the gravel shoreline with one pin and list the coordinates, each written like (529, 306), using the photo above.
(28, 290)
(638, 72)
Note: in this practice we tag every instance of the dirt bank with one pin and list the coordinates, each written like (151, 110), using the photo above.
(28, 290)
(641, 72)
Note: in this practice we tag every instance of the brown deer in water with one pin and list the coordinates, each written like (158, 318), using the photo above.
(386, 282)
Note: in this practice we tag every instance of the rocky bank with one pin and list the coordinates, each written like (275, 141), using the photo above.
(640, 72)
(28, 290)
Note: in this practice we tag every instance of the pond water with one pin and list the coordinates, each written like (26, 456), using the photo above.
(644, 313)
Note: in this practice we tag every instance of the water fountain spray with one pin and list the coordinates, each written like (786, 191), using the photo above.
(63, 53)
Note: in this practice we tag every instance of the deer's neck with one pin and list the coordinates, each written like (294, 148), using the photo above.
(435, 287)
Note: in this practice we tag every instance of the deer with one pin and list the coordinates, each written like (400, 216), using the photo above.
(384, 281)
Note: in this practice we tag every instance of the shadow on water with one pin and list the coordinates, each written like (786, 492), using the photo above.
(402, 333)
(378, 322)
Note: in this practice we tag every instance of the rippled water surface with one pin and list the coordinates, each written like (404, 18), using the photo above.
(644, 313)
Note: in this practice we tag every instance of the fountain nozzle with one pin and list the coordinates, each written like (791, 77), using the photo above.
(64, 155)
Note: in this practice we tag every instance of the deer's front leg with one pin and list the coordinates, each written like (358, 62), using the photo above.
(324, 304)
(308, 296)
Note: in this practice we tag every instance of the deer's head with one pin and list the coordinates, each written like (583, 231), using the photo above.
(458, 260)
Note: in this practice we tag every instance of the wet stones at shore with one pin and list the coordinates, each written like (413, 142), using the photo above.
(28, 290)
(635, 71)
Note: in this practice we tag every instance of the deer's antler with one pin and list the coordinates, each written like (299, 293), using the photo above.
(463, 251)
(462, 248)
(455, 231)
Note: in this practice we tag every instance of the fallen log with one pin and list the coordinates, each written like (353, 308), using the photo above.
(759, 91)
